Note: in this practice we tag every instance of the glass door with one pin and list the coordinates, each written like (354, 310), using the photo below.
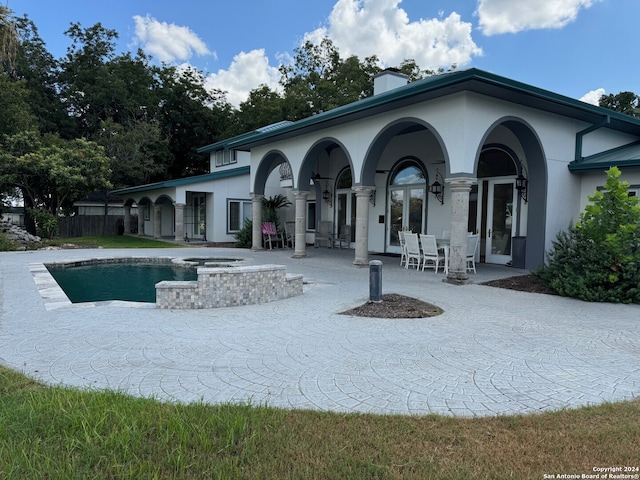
(406, 207)
(346, 211)
(406, 212)
(500, 221)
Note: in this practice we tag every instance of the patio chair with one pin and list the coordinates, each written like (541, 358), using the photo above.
(403, 248)
(414, 256)
(472, 246)
(289, 234)
(324, 233)
(270, 234)
(430, 253)
(344, 235)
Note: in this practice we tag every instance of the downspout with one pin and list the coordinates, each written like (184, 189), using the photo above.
(578, 153)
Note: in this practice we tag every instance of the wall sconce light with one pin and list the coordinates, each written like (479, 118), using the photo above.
(437, 188)
(372, 197)
(522, 183)
(326, 195)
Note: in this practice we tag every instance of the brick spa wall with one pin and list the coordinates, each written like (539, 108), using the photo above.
(229, 287)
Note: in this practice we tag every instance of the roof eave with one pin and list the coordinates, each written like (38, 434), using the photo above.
(440, 85)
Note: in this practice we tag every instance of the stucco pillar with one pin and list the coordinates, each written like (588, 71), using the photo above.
(127, 219)
(362, 226)
(157, 220)
(460, 188)
(141, 210)
(300, 250)
(179, 209)
(256, 229)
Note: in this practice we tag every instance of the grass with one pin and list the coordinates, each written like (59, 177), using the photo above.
(57, 432)
(113, 241)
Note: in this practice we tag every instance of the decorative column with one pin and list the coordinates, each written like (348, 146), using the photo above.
(300, 250)
(157, 220)
(460, 188)
(256, 229)
(179, 209)
(127, 219)
(362, 226)
(141, 210)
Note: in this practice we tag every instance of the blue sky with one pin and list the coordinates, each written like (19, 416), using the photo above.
(578, 48)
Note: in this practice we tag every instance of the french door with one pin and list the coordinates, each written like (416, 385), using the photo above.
(405, 211)
(501, 218)
(346, 211)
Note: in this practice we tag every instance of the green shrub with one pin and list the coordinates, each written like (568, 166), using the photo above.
(598, 259)
(244, 238)
(6, 245)
(46, 223)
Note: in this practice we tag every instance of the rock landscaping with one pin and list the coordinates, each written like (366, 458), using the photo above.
(23, 239)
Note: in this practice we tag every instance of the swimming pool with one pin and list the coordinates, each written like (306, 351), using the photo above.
(163, 282)
(130, 280)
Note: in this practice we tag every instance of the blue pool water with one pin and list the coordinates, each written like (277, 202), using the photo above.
(132, 281)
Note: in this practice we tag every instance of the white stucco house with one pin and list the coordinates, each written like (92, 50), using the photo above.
(461, 151)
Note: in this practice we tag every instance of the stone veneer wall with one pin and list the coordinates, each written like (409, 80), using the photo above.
(230, 286)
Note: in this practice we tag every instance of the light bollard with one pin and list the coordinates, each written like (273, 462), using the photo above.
(375, 281)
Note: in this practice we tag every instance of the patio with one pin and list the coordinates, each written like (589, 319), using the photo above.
(491, 352)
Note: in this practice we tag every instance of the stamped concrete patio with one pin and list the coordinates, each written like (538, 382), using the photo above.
(492, 352)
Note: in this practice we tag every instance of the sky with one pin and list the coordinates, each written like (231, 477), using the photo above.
(578, 48)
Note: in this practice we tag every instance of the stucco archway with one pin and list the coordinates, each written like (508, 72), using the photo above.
(531, 154)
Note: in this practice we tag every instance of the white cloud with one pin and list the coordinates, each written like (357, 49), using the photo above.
(509, 16)
(168, 42)
(380, 27)
(247, 72)
(593, 97)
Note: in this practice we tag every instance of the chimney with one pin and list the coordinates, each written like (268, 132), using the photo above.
(388, 79)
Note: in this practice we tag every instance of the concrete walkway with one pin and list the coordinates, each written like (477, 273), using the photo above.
(492, 352)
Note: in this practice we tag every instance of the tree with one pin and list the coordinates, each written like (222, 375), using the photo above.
(51, 172)
(9, 40)
(86, 82)
(190, 116)
(319, 80)
(136, 151)
(623, 102)
(263, 107)
(38, 70)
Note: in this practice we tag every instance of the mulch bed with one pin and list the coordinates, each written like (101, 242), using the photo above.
(394, 305)
(523, 283)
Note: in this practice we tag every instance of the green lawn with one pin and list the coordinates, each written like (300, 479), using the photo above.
(63, 433)
(114, 241)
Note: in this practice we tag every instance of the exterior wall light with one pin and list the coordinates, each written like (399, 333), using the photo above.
(326, 195)
(437, 188)
(522, 185)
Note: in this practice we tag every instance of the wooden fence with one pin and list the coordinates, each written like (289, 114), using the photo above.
(89, 225)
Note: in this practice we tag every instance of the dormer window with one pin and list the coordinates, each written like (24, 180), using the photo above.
(226, 157)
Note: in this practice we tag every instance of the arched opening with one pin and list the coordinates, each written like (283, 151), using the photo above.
(495, 208)
(346, 203)
(406, 200)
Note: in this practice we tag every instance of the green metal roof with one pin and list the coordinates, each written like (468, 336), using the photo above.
(622, 157)
(224, 144)
(184, 181)
(436, 86)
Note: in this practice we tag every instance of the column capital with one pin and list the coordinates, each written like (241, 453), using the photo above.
(461, 184)
(363, 190)
(300, 194)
